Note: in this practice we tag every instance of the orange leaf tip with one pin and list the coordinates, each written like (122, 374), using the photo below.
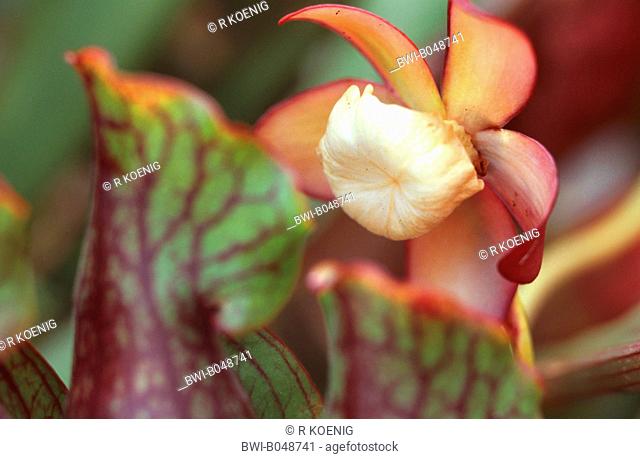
(13, 202)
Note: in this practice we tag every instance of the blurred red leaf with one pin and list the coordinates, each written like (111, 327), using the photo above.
(589, 67)
(615, 371)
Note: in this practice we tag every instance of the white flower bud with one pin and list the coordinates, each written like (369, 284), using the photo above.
(407, 170)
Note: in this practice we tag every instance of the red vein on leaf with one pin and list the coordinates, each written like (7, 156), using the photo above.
(263, 374)
(27, 354)
(346, 341)
(93, 304)
(14, 389)
(271, 339)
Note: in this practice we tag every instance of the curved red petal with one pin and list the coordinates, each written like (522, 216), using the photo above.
(292, 129)
(381, 43)
(523, 174)
(447, 258)
(490, 75)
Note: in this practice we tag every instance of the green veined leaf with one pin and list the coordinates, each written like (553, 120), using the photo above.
(278, 385)
(192, 248)
(29, 388)
(395, 351)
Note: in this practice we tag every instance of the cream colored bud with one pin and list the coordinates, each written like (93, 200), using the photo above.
(407, 170)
